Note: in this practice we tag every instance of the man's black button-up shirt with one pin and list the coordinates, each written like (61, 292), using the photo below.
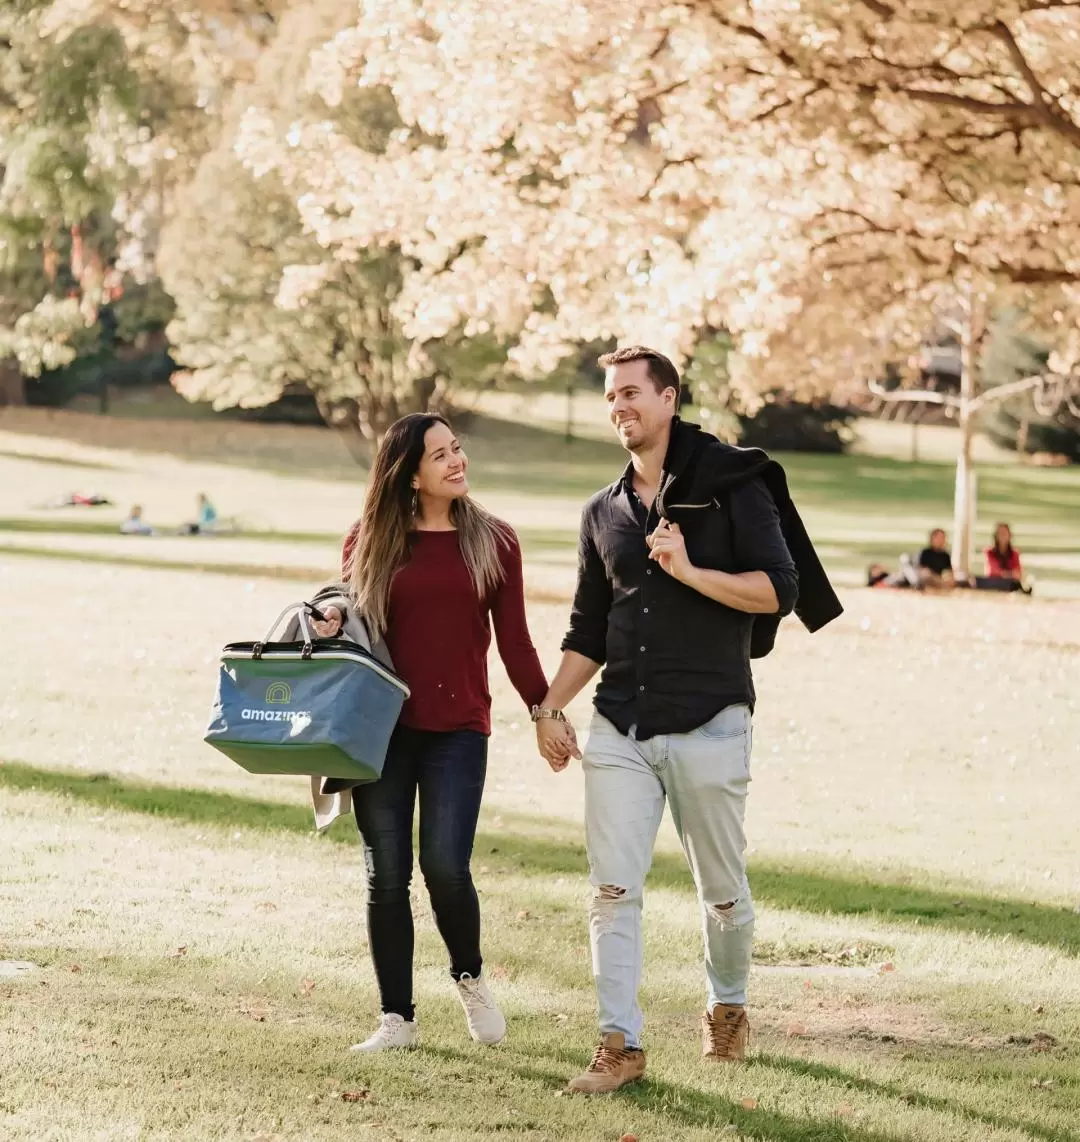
(673, 658)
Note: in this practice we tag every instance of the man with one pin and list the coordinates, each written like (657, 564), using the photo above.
(935, 567)
(676, 559)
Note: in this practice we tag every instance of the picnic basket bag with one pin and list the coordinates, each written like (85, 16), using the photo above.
(322, 707)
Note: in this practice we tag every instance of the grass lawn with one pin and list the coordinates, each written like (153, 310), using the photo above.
(292, 488)
(199, 960)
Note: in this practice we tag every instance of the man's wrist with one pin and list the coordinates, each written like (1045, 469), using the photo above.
(546, 713)
(692, 577)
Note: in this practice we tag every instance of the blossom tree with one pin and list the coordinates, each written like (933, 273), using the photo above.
(826, 179)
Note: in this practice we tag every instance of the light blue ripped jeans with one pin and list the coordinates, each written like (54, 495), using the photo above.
(704, 776)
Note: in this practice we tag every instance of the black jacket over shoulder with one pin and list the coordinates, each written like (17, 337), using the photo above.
(673, 658)
(702, 470)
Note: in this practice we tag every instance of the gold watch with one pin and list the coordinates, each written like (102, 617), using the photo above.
(539, 712)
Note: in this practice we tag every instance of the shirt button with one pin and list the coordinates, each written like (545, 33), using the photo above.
(648, 571)
(641, 687)
(643, 650)
(646, 610)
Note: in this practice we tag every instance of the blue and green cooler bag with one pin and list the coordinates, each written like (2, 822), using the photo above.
(323, 707)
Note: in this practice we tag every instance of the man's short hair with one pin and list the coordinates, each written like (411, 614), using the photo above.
(662, 372)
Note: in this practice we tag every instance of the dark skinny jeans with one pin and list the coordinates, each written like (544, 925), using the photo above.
(448, 770)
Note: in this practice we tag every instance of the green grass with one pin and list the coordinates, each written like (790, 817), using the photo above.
(231, 1039)
(538, 538)
(860, 508)
(201, 953)
(803, 886)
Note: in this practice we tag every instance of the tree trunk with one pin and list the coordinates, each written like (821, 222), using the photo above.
(964, 498)
(12, 384)
(1022, 436)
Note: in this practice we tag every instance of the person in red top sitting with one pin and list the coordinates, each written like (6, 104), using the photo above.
(431, 572)
(1002, 559)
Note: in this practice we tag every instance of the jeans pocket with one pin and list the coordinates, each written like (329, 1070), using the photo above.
(732, 722)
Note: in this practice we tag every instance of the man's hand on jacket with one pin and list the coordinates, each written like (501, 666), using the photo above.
(667, 546)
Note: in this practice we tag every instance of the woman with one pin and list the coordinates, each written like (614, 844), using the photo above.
(428, 567)
(1002, 559)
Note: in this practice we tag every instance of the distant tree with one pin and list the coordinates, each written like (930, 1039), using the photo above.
(102, 105)
(261, 307)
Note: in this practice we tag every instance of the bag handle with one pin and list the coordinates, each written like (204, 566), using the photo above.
(301, 610)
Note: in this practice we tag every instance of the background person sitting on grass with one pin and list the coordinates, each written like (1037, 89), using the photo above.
(935, 564)
(1004, 571)
(206, 517)
(135, 524)
(1002, 559)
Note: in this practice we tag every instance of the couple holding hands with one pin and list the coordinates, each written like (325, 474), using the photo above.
(687, 562)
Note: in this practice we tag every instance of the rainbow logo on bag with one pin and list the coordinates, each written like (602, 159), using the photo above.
(278, 694)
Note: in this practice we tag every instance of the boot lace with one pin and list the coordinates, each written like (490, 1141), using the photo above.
(722, 1033)
(606, 1059)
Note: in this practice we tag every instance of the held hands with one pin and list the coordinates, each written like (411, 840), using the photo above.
(557, 743)
(331, 627)
(667, 546)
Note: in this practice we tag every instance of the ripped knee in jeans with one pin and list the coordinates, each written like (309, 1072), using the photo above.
(731, 914)
(602, 905)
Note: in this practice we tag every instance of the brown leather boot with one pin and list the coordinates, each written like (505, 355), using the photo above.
(613, 1065)
(725, 1033)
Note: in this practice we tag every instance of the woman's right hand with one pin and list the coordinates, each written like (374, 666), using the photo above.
(331, 627)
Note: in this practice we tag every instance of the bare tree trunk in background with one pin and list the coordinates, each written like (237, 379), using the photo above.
(12, 384)
(964, 497)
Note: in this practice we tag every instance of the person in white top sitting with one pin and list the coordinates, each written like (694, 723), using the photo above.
(135, 524)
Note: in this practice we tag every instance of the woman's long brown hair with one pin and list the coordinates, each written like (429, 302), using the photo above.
(382, 547)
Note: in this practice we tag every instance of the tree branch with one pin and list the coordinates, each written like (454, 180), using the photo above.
(1023, 112)
(879, 9)
(1028, 114)
(802, 97)
(662, 44)
(1004, 33)
(1049, 108)
(748, 30)
(668, 90)
(1038, 275)
(664, 167)
(872, 228)
(917, 396)
(1003, 392)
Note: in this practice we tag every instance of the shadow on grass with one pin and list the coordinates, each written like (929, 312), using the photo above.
(682, 1105)
(531, 849)
(32, 525)
(825, 1073)
(185, 1044)
(56, 461)
(540, 538)
(309, 575)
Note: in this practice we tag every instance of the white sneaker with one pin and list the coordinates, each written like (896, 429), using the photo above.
(486, 1022)
(393, 1032)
